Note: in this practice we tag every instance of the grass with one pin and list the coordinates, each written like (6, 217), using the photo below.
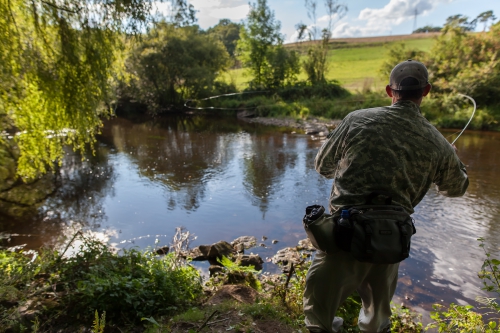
(355, 66)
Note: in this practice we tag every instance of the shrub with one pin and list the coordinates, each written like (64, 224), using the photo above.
(125, 286)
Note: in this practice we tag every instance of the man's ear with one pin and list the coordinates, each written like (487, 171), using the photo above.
(427, 88)
(388, 90)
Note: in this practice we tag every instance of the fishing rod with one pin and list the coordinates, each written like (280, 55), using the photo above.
(472, 116)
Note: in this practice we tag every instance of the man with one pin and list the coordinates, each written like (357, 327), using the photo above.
(392, 150)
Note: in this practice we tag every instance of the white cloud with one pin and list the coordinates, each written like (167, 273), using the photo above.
(211, 11)
(379, 21)
(233, 13)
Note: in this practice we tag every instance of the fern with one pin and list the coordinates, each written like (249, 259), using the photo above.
(98, 325)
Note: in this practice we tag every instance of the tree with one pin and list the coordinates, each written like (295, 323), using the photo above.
(486, 16)
(461, 21)
(333, 7)
(427, 28)
(58, 61)
(228, 33)
(261, 49)
(397, 54)
(315, 64)
(173, 64)
(467, 64)
(311, 6)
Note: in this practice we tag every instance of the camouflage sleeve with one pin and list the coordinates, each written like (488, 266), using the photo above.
(330, 152)
(452, 180)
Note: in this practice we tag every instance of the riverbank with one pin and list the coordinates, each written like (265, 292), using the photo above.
(158, 290)
(99, 290)
(309, 126)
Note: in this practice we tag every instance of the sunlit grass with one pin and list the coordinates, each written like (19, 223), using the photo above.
(355, 66)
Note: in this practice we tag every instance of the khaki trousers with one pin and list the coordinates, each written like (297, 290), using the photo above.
(333, 277)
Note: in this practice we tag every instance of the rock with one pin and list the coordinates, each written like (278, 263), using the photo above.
(311, 130)
(286, 256)
(162, 250)
(264, 238)
(246, 114)
(250, 260)
(262, 245)
(240, 248)
(305, 244)
(274, 241)
(217, 250)
(240, 293)
(269, 282)
(247, 242)
(214, 269)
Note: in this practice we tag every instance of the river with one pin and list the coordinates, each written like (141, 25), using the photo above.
(221, 178)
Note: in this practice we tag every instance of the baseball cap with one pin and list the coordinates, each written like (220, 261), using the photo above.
(409, 75)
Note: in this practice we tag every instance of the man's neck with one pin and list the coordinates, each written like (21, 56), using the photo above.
(416, 101)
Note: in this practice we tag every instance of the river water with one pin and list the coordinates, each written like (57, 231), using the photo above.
(221, 178)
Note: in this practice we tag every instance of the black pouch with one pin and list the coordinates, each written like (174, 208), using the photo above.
(379, 234)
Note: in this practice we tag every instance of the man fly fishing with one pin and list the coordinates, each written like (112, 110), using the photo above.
(387, 156)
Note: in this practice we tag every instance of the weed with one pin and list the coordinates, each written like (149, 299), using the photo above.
(99, 323)
(126, 286)
(405, 321)
(460, 318)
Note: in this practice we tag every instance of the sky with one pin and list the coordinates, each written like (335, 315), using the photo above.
(363, 18)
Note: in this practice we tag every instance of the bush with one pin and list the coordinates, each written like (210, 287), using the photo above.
(126, 286)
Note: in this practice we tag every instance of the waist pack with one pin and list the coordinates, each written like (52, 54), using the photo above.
(379, 234)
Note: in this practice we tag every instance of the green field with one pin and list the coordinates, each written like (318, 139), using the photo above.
(355, 66)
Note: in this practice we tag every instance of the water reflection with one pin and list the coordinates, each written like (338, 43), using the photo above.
(77, 202)
(221, 178)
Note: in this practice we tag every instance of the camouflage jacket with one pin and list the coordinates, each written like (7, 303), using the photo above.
(393, 149)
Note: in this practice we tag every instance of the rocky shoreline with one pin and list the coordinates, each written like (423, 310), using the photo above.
(310, 126)
(235, 251)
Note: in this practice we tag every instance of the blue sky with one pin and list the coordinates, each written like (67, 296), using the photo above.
(364, 18)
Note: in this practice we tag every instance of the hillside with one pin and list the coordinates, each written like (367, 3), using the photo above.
(355, 62)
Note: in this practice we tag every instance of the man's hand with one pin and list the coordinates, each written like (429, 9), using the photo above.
(454, 147)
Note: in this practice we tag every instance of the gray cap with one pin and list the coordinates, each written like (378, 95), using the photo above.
(409, 75)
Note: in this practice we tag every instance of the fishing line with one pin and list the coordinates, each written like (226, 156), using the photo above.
(223, 95)
(472, 116)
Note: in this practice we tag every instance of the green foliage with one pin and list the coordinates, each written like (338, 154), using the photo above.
(228, 33)
(397, 54)
(57, 64)
(315, 64)
(238, 274)
(490, 272)
(172, 64)
(458, 63)
(463, 319)
(99, 323)
(486, 16)
(261, 51)
(405, 321)
(461, 22)
(427, 28)
(459, 319)
(126, 287)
